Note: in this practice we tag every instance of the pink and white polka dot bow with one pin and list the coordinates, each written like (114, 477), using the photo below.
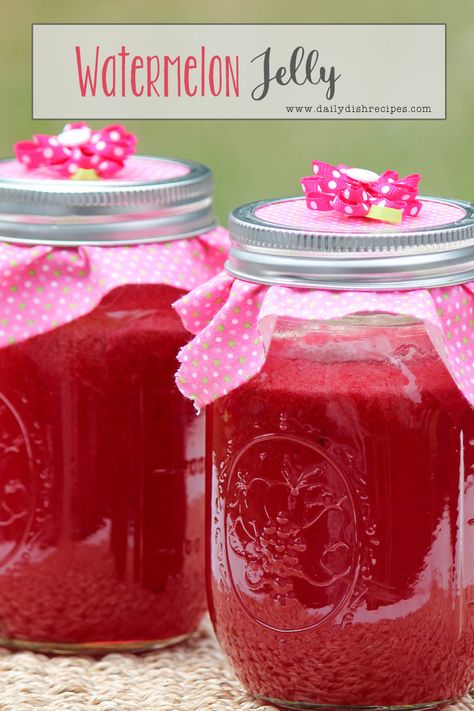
(356, 192)
(78, 151)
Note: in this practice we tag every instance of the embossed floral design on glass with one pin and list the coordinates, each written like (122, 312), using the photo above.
(335, 360)
(101, 458)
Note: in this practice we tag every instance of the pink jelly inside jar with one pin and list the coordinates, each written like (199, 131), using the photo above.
(341, 473)
(338, 520)
(102, 480)
(101, 457)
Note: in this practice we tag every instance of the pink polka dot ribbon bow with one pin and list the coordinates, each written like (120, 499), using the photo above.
(78, 151)
(233, 322)
(356, 192)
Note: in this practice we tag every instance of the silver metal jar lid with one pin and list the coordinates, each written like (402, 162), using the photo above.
(284, 242)
(140, 207)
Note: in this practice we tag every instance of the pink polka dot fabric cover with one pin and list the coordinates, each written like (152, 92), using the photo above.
(294, 213)
(234, 321)
(137, 169)
(43, 287)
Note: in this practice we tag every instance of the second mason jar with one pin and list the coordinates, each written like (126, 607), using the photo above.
(101, 458)
(338, 360)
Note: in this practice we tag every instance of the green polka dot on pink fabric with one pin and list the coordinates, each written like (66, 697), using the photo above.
(237, 319)
(44, 287)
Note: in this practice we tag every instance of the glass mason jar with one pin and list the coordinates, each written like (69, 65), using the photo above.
(102, 459)
(341, 485)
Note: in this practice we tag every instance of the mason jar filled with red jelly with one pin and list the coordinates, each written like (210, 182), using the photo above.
(101, 458)
(336, 357)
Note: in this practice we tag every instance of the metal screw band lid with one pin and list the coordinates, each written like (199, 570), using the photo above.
(153, 199)
(283, 242)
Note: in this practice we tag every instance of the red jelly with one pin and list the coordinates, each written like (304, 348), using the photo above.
(101, 457)
(336, 356)
(102, 482)
(341, 481)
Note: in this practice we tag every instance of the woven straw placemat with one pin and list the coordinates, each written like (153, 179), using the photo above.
(192, 676)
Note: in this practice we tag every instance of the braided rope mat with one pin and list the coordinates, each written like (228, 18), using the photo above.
(192, 676)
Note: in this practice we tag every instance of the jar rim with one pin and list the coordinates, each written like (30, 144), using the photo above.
(418, 257)
(107, 212)
(367, 319)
